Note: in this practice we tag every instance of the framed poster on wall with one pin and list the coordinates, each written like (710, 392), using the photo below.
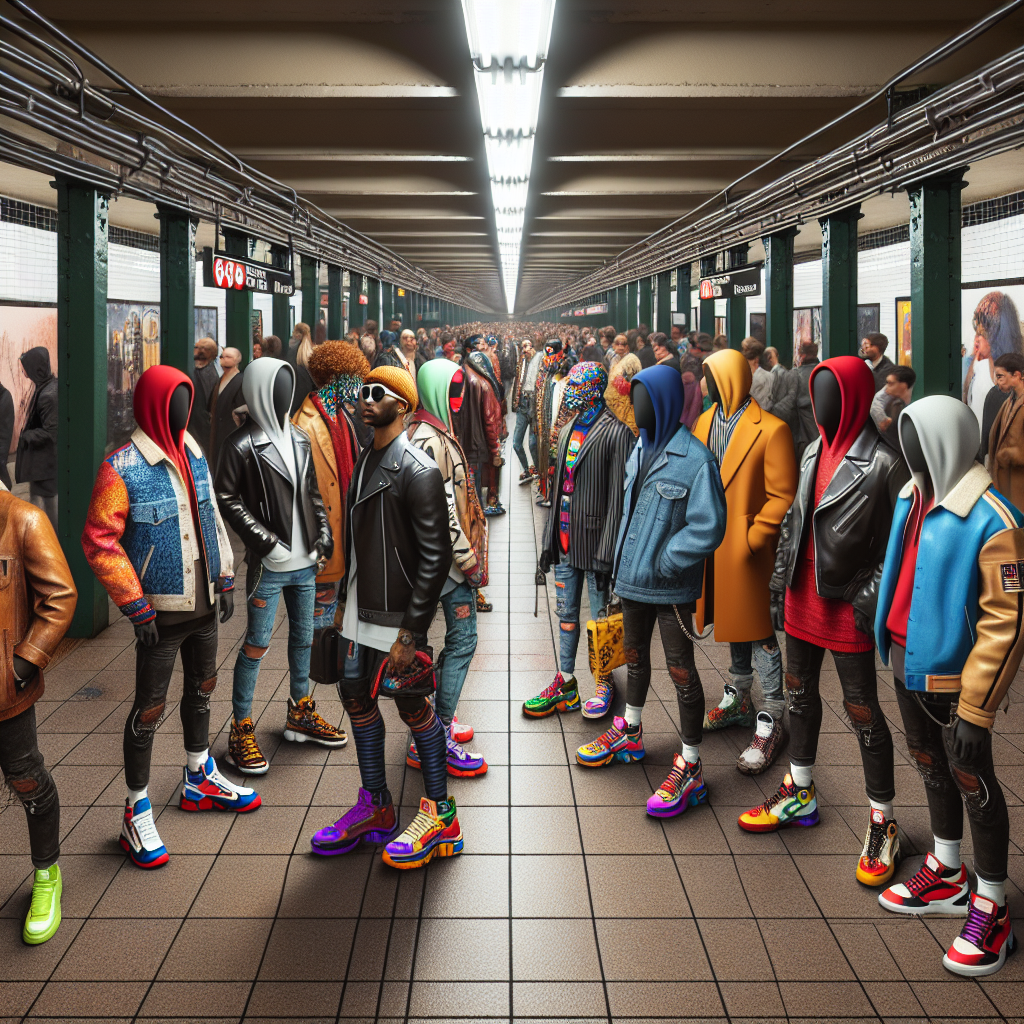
(903, 346)
(759, 327)
(257, 325)
(869, 317)
(22, 328)
(133, 346)
(806, 327)
(206, 322)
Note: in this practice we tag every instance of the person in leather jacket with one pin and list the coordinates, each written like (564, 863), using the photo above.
(828, 564)
(267, 491)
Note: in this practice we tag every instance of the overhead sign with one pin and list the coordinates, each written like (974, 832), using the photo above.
(401, 293)
(221, 270)
(579, 312)
(733, 284)
(680, 319)
(363, 300)
(601, 307)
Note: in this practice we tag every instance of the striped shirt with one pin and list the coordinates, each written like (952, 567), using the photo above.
(722, 428)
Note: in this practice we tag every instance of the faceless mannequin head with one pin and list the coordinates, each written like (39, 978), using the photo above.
(282, 394)
(456, 389)
(643, 408)
(828, 402)
(178, 410)
(910, 441)
(713, 393)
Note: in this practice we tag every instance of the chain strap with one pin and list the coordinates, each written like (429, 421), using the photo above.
(682, 626)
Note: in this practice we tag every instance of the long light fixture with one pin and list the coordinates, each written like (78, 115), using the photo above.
(508, 41)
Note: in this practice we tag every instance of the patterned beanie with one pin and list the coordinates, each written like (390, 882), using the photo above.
(396, 379)
(584, 387)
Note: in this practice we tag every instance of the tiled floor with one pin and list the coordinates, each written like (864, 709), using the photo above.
(568, 903)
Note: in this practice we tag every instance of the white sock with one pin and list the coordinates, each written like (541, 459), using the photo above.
(633, 714)
(947, 852)
(135, 795)
(994, 891)
(802, 776)
(885, 806)
(691, 755)
(196, 761)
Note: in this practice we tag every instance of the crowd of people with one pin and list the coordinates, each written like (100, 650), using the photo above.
(690, 483)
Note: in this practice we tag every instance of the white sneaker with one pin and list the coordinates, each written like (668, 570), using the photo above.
(139, 837)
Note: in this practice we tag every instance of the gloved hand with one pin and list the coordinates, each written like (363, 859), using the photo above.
(227, 605)
(964, 740)
(24, 672)
(147, 634)
(778, 609)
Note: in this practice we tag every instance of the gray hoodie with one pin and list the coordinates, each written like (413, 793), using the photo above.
(948, 433)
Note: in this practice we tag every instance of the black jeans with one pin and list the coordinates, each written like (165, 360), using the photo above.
(637, 630)
(860, 698)
(32, 784)
(951, 783)
(197, 641)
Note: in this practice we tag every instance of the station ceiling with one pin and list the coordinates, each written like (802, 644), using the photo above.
(650, 107)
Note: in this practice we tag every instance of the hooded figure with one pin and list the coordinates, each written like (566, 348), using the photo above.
(36, 460)
(948, 620)
(388, 355)
(481, 362)
(616, 395)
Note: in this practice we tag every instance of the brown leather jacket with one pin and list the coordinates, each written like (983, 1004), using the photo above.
(37, 598)
(478, 422)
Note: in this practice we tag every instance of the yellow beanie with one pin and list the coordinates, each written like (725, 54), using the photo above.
(396, 379)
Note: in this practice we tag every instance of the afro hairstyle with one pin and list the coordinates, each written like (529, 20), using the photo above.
(334, 359)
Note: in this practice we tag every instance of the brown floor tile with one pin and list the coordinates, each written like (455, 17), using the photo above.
(556, 999)
(267, 830)
(866, 950)
(308, 950)
(184, 833)
(124, 950)
(332, 886)
(239, 943)
(774, 887)
(17, 996)
(1007, 996)
(469, 885)
(382, 949)
(626, 886)
(939, 997)
(540, 785)
(747, 999)
(893, 998)
(167, 892)
(458, 1000)
(541, 748)
(545, 830)
(438, 959)
(549, 886)
(833, 882)
(713, 887)
(736, 950)
(615, 785)
(295, 999)
(655, 950)
(206, 999)
(484, 829)
(915, 949)
(551, 949)
(611, 830)
(695, 831)
(795, 943)
(814, 999)
(681, 999)
(243, 886)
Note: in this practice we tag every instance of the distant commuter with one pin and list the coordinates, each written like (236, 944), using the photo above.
(204, 379)
(806, 427)
(36, 462)
(1006, 439)
(872, 347)
(6, 433)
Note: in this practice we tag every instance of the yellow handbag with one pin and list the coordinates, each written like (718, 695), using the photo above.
(604, 643)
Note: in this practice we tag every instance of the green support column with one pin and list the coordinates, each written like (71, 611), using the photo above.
(646, 314)
(335, 321)
(177, 289)
(238, 303)
(310, 293)
(935, 283)
(663, 312)
(621, 304)
(683, 288)
(736, 308)
(82, 382)
(372, 289)
(778, 293)
(387, 304)
(707, 306)
(356, 312)
(839, 283)
(631, 305)
(281, 319)
(610, 297)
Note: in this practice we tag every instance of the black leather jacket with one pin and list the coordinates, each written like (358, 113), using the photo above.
(254, 492)
(851, 523)
(398, 528)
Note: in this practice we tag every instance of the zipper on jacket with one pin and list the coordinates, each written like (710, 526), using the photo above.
(385, 558)
(398, 557)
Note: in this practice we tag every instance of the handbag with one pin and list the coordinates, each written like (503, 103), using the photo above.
(417, 681)
(324, 655)
(604, 642)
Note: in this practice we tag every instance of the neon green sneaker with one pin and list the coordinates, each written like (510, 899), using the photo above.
(561, 695)
(43, 918)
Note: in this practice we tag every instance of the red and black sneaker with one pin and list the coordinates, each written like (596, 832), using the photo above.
(935, 889)
(984, 941)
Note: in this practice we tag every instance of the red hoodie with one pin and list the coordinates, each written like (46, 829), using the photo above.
(824, 621)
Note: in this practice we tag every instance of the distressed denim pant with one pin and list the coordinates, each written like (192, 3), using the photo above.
(762, 655)
(568, 598)
(299, 589)
(519, 435)
(27, 777)
(459, 609)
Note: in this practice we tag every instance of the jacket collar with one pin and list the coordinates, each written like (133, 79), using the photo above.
(154, 454)
(967, 493)
(382, 478)
(678, 445)
(853, 465)
(594, 431)
(267, 451)
(744, 434)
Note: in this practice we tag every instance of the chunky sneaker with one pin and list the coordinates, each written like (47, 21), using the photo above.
(735, 709)
(615, 744)
(304, 725)
(243, 750)
(601, 703)
(984, 941)
(769, 739)
(559, 696)
(494, 510)
(530, 474)
(461, 733)
(43, 918)
(881, 851)
(462, 763)
(790, 805)
(482, 604)
(139, 837)
(208, 790)
(683, 788)
(434, 832)
(935, 889)
(367, 822)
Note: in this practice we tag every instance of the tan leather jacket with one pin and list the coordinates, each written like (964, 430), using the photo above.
(37, 598)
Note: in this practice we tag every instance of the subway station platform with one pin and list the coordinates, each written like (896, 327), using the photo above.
(569, 903)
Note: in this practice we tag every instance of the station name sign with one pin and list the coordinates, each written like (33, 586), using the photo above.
(601, 307)
(733, 284)
(221, 270)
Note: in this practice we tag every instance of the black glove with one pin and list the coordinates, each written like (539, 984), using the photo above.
(778, 608)
(147, 634)
(539, 576)
(964, 740)
(543, 567)
(227, 605)
(602, 581)
(24, 672)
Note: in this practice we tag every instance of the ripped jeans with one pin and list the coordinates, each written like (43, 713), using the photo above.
(765, 657)
(32, 784)
(568, 599)
(197, 641)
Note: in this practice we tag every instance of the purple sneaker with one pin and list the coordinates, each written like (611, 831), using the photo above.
(601, 703)
(683, 788)
(367, 822)
(462, 763)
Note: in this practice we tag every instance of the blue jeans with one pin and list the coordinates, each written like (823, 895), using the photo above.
(299, 589)
(765, 657)
(459, 646)
(522, 426)
(568, 598)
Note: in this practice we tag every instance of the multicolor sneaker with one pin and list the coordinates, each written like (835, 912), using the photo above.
(434, 832)
(614, 744)
(735, 709)
(881, 851)
(984, 941)
(934, 889)
(43, 917)
(530, 474)
(494, 509)
(462, 763)
(461, 733)
(243, 750)
(790, 805)
(769, 739)
(559, 696)
(683, 788)
(304, 725)
(369, 821)
(601, 703)
(482, 604)
(139, 837)
(208, 790)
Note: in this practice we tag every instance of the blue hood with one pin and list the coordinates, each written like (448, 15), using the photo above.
(665, 386)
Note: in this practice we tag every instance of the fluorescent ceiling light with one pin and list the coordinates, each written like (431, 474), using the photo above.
(508, 41)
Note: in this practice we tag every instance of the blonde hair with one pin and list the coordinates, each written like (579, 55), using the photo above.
(305, 349)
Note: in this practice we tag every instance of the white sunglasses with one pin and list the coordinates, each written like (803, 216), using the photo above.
(376, 392)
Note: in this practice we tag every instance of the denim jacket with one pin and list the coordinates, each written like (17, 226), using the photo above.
(139, 538)
(678, 521)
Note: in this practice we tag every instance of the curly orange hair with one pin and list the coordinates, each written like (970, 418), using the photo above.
(334, 359)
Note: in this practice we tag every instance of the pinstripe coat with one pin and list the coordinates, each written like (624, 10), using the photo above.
(596, 509)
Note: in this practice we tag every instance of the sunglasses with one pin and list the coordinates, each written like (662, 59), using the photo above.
(376, 392)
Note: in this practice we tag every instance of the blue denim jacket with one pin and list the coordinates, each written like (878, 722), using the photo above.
(679, 520)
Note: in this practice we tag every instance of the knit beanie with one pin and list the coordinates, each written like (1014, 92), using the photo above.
(396, 379)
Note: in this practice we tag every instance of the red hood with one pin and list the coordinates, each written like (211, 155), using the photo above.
(857, 389)
(151, 403)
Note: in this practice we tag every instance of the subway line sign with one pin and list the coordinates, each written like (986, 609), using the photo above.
(221, 270)
(733, 284)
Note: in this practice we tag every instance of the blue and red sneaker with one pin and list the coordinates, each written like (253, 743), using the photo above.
(208, 790)
(614, 744)
(367, 822)
(139, 837)
(434, 832)
(462, 763)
